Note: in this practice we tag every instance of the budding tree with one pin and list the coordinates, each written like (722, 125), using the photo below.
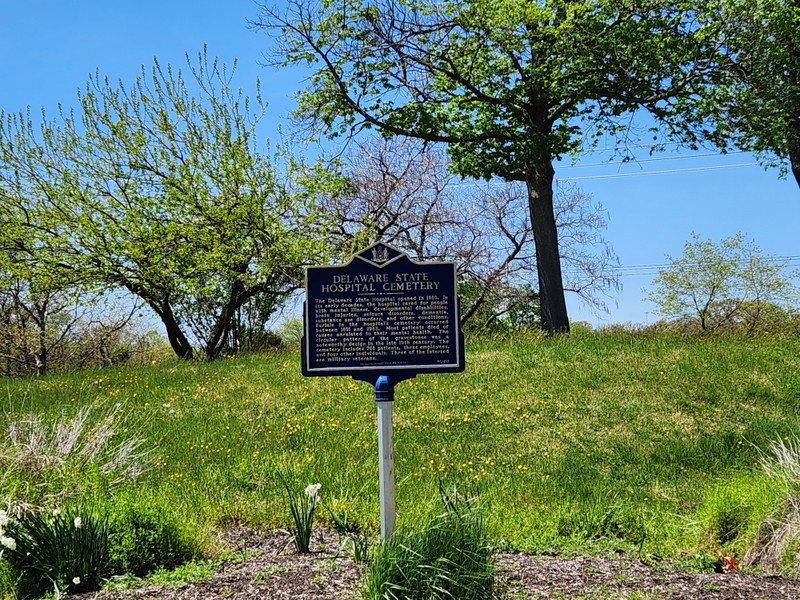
(404, 193)
(722, 283)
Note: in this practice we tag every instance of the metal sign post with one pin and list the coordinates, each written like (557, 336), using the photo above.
(384, 396)
(382, 318)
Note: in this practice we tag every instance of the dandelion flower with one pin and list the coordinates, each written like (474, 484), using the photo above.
(77, 522)
(76, 580)
(8, 542)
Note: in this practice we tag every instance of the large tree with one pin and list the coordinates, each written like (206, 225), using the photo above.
(756, 107)
(160, 187)
(402, 192)
(509, 86)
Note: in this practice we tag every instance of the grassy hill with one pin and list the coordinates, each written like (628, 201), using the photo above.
(599, 440)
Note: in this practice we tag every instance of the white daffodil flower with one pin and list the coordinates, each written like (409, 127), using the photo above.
(312, 491)
(8, 542)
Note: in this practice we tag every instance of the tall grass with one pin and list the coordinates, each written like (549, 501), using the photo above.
(449, 558)
(616, 440)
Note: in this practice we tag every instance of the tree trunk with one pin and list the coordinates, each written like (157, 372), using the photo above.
(793, 141)
(793, 137)
(178, 341)
(222, 327)
(41, 354)
(539, 183)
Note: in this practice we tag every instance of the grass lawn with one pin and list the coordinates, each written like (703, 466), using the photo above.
(599, 440)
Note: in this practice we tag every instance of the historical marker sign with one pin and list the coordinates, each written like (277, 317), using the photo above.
(382, 314)
(382, 318)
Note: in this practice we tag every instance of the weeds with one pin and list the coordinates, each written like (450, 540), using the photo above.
(352, 537)
(777, 543)
(51, 463)
(144, 538)
(449, 558)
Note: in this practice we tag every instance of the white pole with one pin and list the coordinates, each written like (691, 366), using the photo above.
(386, 468)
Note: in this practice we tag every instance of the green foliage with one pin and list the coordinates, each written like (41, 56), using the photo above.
(144, 537)
(450, 557)
(735, 510)
(498, 309)
(290, 331)
(509, 86)
(160, 187)
(755, 105)
(352, 536)
(66, 551)
(595, 521)
(729, 284)
(480, 61)
(776, 542)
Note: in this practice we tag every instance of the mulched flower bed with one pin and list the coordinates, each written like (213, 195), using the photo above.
(267, 568)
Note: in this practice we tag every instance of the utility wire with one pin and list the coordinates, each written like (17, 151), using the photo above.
(664, 172)
(464, 184)
(635, 161)
(654, 269)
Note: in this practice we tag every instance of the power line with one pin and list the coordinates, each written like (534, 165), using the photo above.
(664, 172)
(463, 184)
(654, 269)
(627, 147)
(647, 160)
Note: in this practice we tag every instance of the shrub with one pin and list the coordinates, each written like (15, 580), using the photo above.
(144, 538)
(448, 558)
(66, 551)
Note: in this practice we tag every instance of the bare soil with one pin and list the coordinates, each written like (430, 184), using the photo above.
(265, 567)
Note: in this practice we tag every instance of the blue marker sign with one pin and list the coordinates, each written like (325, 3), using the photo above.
(382, 314)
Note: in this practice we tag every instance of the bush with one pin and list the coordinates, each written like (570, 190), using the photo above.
(449, 558)
(143, 538)
(66, 551)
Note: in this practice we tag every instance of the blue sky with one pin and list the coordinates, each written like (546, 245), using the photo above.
(48, 49)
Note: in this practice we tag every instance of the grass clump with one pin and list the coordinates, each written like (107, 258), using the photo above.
(48, 463)
(777, 543)
(144, 538)
(602, 521)
(448, 558)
